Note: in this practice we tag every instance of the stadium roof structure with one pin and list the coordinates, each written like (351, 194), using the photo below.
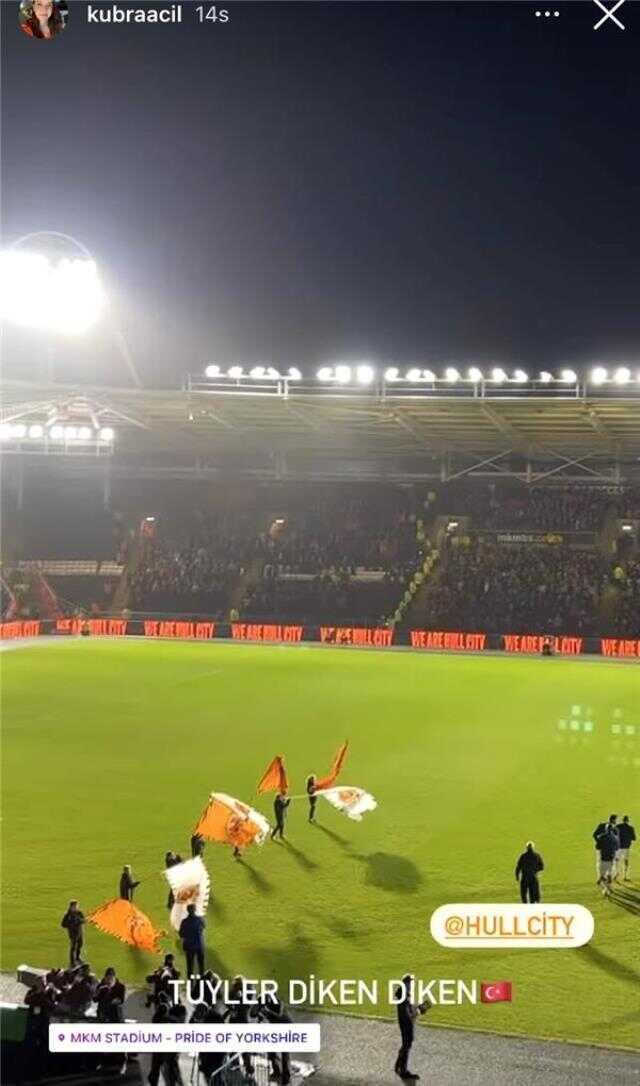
(284, 429)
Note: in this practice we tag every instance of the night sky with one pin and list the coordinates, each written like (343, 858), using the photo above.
(316, 182)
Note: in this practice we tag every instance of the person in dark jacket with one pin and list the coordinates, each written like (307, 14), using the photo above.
(280, 805)
(313, 799)
(170, 860)
(528, 868)
(240, 1010)
(110, 996)
(192, 935)
(599, 830)
(73, 921)
(197, 845)
(607, 845)
(626, 837)
(127, 883)
(165, 1062)
(407, 1013)
(272, 1009)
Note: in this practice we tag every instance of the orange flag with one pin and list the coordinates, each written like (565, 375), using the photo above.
(129, 924)
(338, 762)
(231, 822)
(274, 778)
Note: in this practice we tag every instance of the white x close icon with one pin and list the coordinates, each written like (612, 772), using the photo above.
(609, 14)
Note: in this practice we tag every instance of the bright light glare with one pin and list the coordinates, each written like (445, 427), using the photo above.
(5, 431)
(84, 433)
(70, 433)
(622, 375)
(18, 430)
(235, 373)
(294, 374)
(212, 371)
(452, 374)
(257, 372)
(475, 374)
(365, 375)
(413, 375)
(428, 375)
(342, 374)
(272, 373)
(598, 375)
(520, 377)
(325, 373)
(106, 434)
(569, 377)
(36, 293)
(546, 377)
(392, 374)
(36, 431)
(56, 433)
(498, 375)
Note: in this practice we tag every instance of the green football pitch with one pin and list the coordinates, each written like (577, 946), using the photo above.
(111, 749)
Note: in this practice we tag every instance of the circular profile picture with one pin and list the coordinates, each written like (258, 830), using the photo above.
(43, 18)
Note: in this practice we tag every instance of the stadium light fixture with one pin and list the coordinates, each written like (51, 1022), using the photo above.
(520, 377)
(546, 378)
(235, 372)
(36, 431)
(622, 375)
(392, 373)
(69, 295)
(19, 430)
(85, 433)
(569, 377)
(106, 434)
(258, 372)
(451, 374)
(365, 375)
(342, 375)
(598, 375)
(70, 433)
(475, 374)
(212, 371)
(428, 375)
(498, 375)
(413, 374)
(5, 431)
(56, 433)
(294, 374)
(324, 373)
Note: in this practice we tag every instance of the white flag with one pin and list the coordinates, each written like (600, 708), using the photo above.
(354, 802)
(191, 885)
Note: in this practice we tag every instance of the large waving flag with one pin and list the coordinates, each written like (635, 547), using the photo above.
(232, 822)
(338, 762)
(123, 920)
(274, 778)
(354, 802)
(191, 885)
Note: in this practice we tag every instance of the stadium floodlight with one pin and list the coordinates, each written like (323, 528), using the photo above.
(474, 374)
(18, 430)
(498, 375)
(5, 431)
(70, 433)
(325, 373)
(520, 377)
(258, 372)
(56, 433)
(235, 372)
(294, 374)
(342, 374)
(212, 371)
(452, 375)
(36, 431)
(428, 375)
(365, 375)
(598, 375)
(622, 375)
(106, 434)
(569, 377)
(85, 433)
(392, 373)
(36, 292)
(273, 374)
(413, 375)
(545, 377)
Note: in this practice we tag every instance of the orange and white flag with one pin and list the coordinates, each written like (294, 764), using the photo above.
(274, 778)
(354, 802)
(126, 922)
(232, 822)
(191, 885)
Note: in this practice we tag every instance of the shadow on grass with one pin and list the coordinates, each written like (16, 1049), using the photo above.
(338, 838)
(216, 908)
(387, 871)
(257, 879)
(301, 859)
(609, 965)
(297, 959)
(629, 902)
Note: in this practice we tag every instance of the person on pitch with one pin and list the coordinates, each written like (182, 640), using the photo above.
(607, 845)
(280, 805)
(407, 1014)
(197, 845)
(127, 883)
(528, 867)
(170, 860)
(626, 837)
(313, 799)
(192, 935)
(599, 830)
(73, 921)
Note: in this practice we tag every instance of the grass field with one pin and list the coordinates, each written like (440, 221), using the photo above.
(111, 749)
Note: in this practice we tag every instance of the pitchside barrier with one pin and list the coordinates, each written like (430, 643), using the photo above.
(362, 636)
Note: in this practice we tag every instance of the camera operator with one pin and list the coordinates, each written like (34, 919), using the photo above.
(272, 1009)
